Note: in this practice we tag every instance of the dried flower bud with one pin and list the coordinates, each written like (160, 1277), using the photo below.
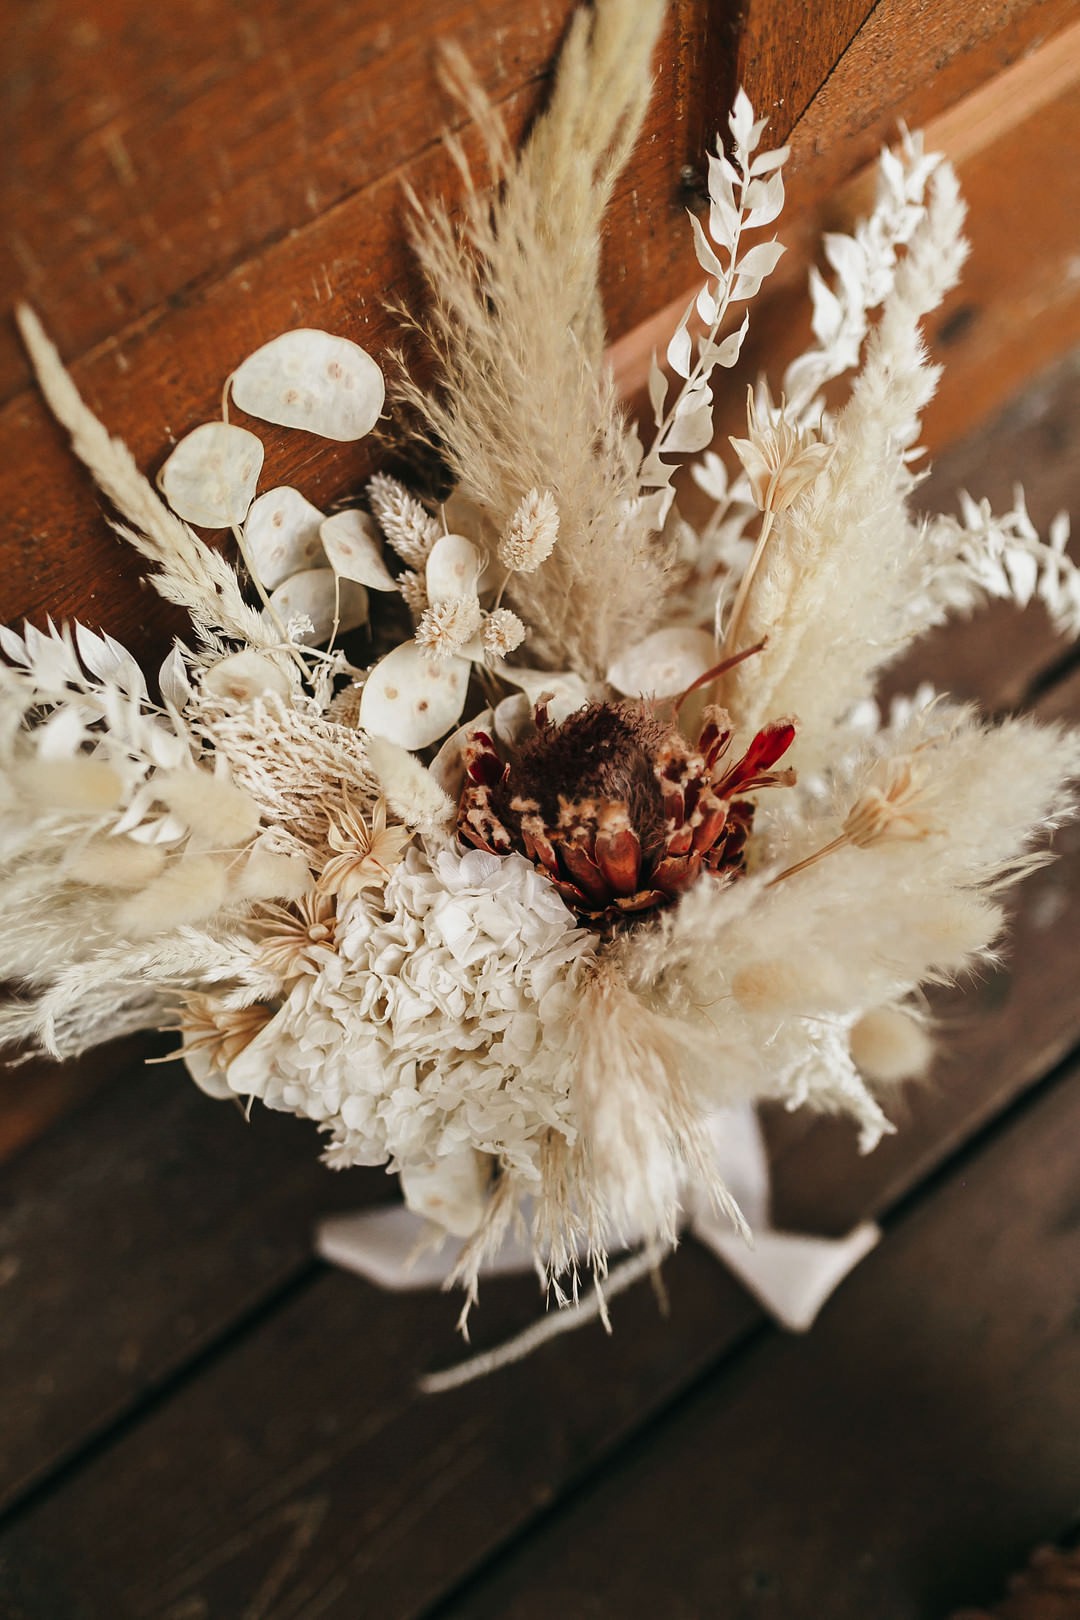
(502, 633)
(780, 459)
(533, 531)
(413, 589)
(892, 806)
(407, 525)
(447, 626)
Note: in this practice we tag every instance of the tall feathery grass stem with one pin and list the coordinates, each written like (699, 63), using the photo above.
(742, 595)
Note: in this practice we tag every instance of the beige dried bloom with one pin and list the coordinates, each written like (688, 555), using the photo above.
(448, 626)
(407, 525)
(533, 531)
(293, 939)
(891, 807)
(414, 590)
(366, 854)
(780, 458)
(219, 1033)
(502, 633)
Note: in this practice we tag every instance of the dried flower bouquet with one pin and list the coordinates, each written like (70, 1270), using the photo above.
(668, 855)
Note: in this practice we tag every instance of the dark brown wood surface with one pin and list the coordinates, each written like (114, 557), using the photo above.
(895, 1464)
(147, 227)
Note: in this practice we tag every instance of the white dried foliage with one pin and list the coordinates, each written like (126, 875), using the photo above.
(501, 633)
(263, 855)
(448, 626)
(281, 535)
(412, 699)
(665, 663)
(353, 551)
(313, 380)
(533, 531)
(406, 523)
(330, 605)
(410, 790)
(189, 572)
(211, 477)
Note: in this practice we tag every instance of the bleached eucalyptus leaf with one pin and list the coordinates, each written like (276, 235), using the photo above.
(411, 699)
(453, 568)
(705, 255)
(664, 664)
(766, 162)
(108, 660)
(212, 474)
(245, 675)
(316, 594)
(173, 683)
(311, 379)
(726, 353)
(723, 210)
(680, 348)
(692, 429)
(708, 305)
(281, 535)
(657, 389)
(354, 551)
(754, 266)
(763, 201)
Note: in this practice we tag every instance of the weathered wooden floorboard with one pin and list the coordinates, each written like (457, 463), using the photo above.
(130, 1238)
(895, 1464)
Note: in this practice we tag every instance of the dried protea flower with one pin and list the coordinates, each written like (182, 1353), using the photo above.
(616, 806)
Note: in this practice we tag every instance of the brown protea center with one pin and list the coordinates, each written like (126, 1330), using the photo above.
(616, 807)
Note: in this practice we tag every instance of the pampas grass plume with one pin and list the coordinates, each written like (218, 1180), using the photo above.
(211, 807)
(114, 863)
(888, 1045)
(80, 784)
(188, 891)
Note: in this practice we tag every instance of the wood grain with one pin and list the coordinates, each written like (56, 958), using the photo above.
(154, 369)
(895, 1464)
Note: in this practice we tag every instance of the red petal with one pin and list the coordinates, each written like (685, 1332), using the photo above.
(482, 762)
(585, 873)
(770, 743)
(680, 841)
(644, 900)
(618, 855)
(711, 825)
(538, 848)
(673, 876)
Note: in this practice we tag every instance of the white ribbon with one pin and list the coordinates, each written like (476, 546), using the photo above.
(790, 1274)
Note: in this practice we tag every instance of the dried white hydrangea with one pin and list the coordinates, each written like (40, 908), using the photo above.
(437, 1022)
